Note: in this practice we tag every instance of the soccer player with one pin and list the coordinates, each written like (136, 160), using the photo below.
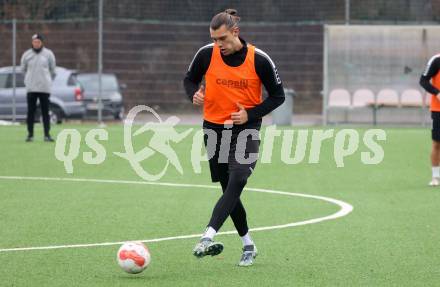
(430, 81)
(38, 66)
(232, 102)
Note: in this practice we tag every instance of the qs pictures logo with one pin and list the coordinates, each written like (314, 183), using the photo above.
(68, 143)
(289, 146)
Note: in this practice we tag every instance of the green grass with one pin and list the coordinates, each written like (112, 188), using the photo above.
(390, 239)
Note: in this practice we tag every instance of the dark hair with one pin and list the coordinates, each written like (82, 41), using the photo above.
(229, 18)
(38, 36)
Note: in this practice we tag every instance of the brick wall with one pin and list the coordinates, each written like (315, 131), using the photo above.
(153, 58)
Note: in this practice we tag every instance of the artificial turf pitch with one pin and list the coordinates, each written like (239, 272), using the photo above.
(391, 238)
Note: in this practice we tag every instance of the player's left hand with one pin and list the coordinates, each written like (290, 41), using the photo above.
(240, 117)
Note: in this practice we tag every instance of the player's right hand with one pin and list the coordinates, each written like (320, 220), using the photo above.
(199, 96)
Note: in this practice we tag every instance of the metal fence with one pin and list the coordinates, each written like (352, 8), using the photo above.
(299, 11)
(149, 44)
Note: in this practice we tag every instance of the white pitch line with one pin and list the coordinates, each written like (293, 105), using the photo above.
(345, 209)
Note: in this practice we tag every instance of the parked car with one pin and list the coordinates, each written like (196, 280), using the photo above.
(111, 97)
(66, 99)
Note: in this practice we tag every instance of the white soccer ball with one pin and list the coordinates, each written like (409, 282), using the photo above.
(133, 257)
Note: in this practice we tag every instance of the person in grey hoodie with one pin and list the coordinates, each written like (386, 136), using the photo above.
(38, 66)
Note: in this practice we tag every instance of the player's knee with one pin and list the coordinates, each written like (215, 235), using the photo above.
(436, 145)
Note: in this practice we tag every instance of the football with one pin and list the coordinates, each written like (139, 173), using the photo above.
(133, 257)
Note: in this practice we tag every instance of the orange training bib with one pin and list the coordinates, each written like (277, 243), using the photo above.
(435, 103)
(226, 86)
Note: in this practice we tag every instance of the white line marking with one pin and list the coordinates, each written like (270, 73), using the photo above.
(345, 209)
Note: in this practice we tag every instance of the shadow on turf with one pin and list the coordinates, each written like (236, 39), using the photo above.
(145, 276)
(175, 276)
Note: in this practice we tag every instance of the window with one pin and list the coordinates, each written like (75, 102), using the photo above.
(90, 82)
(3, 80)
(19, 81)
(72, 81)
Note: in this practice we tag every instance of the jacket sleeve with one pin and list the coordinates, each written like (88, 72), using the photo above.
(432, 68)
(23, 63)
(268, 74)
(196, 70)
(52, 65)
